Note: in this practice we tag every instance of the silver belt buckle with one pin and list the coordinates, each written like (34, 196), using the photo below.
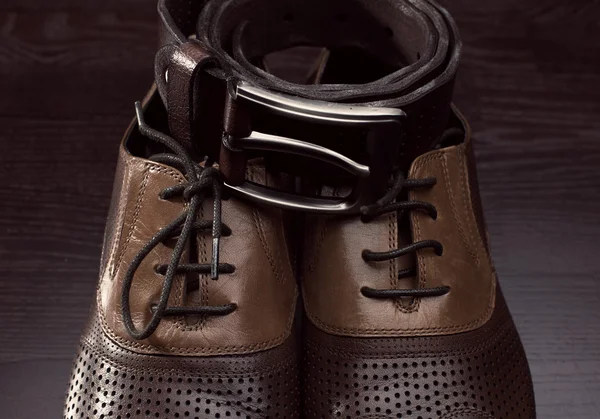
(383, 127)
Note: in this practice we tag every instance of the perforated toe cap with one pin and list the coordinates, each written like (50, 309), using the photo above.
(111, 382)
(476, 375)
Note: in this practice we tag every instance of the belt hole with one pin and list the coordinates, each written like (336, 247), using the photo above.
(288, 17)
(388, 32)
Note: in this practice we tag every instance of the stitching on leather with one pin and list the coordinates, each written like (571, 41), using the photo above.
(420, 260)
(118, 224)
(97, 334)
(173, 173)
(497, 336)
(148, 167)
(204, 297)
(421, 164)
(238, 349)
(185, 373)
(263, 241)
(181, 323)
(426, 331)
(179, 281)
(457, 220)
(493, 335)
(474, 243)
(238, 364)
(392, 352)
(480, 237)
(393, 267)
(136, 214)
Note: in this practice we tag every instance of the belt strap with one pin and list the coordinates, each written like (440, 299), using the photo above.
(210, 48)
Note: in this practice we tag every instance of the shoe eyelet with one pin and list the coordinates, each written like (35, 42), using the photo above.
(365, 254)
(365, 219)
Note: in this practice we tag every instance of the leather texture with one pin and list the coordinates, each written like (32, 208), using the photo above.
(334, 265)
(482, 374)
(188, 65)
(262, 285)
(109, 381)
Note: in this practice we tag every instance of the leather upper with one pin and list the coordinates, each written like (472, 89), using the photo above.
(262, 286)
(334, 266)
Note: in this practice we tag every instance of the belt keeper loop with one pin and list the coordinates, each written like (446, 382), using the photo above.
(237, 125)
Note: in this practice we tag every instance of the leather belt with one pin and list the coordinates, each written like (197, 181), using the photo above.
(222, 104)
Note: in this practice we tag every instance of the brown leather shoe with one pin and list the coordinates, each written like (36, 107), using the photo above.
(180, 330)
(196, 299)
(405, 316)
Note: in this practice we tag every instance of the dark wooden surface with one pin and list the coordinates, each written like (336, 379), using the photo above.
(530, 83)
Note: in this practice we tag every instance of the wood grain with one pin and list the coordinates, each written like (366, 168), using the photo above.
(529, 81)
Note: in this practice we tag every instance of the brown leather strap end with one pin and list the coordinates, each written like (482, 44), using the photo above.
(182, 78)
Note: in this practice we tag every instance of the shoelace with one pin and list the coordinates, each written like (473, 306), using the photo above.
(200, 182)
(386, 205)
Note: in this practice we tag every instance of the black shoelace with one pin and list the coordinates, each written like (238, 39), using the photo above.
(386, 205)
(201, 181)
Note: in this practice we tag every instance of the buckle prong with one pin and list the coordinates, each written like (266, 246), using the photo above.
(268, 142)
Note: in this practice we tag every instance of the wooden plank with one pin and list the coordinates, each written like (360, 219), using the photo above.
(129, 6)
(76, 66)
